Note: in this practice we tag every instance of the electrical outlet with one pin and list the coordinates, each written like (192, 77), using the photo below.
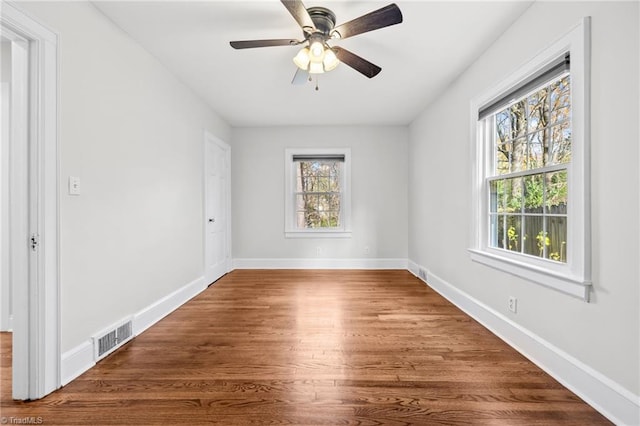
(513, 304)
(318, 251)
(366, 250)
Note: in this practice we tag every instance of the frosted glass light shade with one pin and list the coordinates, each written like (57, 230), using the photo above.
(302, 59)
(316, 51)
(330, 60)
(316, 68)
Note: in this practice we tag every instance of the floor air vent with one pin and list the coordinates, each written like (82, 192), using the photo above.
(422, 274)
(111, 339)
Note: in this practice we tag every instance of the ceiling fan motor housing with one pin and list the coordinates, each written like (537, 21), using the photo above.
(323, 19)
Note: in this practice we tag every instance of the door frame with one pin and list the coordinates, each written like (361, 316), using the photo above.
(36, 323)
(209, 137)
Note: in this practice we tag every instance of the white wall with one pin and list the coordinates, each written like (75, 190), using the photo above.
(134, 135)
(378, 182)
(605, 333)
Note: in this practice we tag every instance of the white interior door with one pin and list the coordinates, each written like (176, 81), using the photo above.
(217, 207)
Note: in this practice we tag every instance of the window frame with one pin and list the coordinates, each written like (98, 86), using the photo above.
(290, 229)
(574, 276)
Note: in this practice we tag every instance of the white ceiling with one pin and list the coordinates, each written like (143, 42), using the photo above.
(419, 57)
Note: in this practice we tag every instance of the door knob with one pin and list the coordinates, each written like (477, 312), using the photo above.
(211, 219)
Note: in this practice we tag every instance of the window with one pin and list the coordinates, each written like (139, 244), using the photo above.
(317, 197)
(527, 177)
(531, 198)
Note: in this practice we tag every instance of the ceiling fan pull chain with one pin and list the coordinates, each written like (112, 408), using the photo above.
(316, 83)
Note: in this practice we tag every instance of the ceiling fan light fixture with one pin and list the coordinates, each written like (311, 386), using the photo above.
(316, 51)
(318, 27)
(302, 59)
(330, 60)
(316, 68)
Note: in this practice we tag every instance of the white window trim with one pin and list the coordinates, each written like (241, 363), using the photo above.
(574, 277)
(290, 229)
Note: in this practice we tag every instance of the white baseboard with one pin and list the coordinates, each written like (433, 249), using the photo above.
(618, 404)
(319, 263)
(81, 358)
(163, 307)
(76, 361)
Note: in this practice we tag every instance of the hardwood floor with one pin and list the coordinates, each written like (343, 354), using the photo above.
(310, 348)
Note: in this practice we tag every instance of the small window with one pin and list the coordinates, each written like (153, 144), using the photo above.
(317, 196)
(531, 180)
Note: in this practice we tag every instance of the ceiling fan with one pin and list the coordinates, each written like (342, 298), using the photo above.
(318, 28)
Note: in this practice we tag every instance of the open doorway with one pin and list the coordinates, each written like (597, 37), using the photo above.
(29, 213)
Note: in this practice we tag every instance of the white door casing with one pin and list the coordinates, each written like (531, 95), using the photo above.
(5, 227)
(217, 207)
(34, 205)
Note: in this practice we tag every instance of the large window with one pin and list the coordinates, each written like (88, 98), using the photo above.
(317, 198)
(531, 180)
(531, 140)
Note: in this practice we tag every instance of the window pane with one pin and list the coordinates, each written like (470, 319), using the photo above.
(536, 150)
(312, 219)
(533, 193)
(503, 127)
(300, 202)
(334, 219)
(560, 144)
(328, 202)
(518, 119)
(323, 184)
(533, 239)
(560, 100)
(301, 219)
(519, 155)
(497, 231)
(305, 168)
(557, 238)
(538, 110)
(311, 202)
(308, 184)
(512, 241)
(513, 195)
(504, 158)
(496, 194)
(556, 196)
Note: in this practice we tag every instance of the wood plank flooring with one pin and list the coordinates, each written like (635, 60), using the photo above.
(310, 348)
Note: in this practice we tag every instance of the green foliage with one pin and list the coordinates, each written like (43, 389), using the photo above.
(513, 238)
(542, 240)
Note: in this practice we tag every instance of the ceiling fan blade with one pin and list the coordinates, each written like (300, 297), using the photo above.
(384, 17)
(248, 44)
(299, 12)
(300, 77)
(356, 62)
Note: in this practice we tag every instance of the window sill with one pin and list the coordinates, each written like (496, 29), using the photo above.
(318, 233)
(571, 285)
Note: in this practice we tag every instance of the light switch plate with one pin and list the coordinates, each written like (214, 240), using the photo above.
(74, 185)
